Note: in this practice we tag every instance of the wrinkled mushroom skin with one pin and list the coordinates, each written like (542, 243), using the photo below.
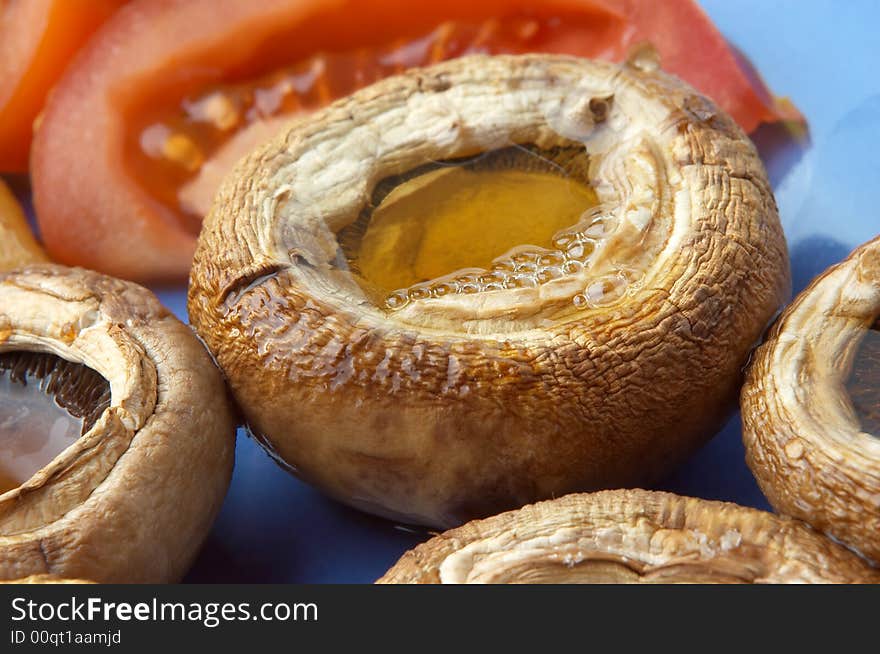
(631, 536)
(804, 442)
(132, 499)
(453, 408)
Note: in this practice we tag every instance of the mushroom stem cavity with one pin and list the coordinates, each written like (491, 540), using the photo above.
(46, 403)
(863, 384)
(480, 224)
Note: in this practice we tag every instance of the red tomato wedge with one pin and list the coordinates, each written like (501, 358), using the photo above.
(169, 93)
(37, 40)
(691, 47)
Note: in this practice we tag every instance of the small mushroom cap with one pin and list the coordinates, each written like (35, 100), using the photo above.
(631, 536)
(804, 442)
(132, 499)
(464, 405)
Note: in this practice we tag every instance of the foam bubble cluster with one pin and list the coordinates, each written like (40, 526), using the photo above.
(531, 267)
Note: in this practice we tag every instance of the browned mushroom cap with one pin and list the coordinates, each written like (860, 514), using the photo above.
(45, 579)
(593, 362)
(17, 245)
(811, 405)
(631, 536)
(133, 496)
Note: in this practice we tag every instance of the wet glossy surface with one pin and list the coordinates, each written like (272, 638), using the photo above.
(823, 54)
(515, 217)
(427, 232)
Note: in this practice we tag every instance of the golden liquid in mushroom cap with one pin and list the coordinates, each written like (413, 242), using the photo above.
(574, 219)
(475, 225)
(46, 404)
(863, 384)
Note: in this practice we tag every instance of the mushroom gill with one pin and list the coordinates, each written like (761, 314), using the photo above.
(46, 403)
(810, 405)
(491, 281)
(631, 536)
(863, 384)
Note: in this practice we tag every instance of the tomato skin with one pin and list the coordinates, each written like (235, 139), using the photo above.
(727, 79)
(37, 40)
(92, 210)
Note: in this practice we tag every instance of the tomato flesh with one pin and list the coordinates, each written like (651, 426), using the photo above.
(37, 39)
(174, 151)
(160, 104)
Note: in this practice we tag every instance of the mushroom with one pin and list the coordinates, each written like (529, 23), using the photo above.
(116, 438)
(17, 245)
(491, 281)
(811, 405)
(45, 579)
(631, 536)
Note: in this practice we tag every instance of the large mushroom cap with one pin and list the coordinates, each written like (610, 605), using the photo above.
(597, 361)
(132, 498)
(631, 536)
(812, 453)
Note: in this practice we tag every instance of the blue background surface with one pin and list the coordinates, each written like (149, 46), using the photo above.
(823, 54)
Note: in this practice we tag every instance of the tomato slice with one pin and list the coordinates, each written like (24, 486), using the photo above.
(691, 47)
(37, 40)
(167, 96)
